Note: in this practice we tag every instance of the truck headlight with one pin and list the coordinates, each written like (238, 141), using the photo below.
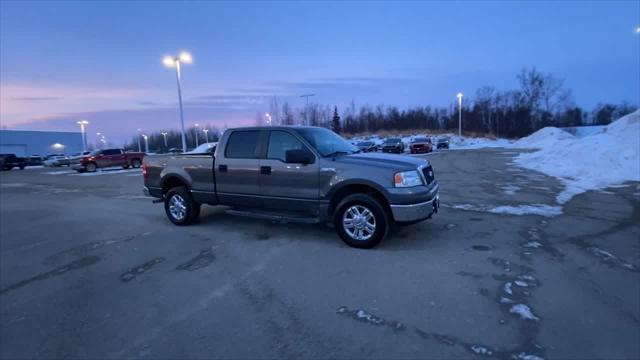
(407, 179)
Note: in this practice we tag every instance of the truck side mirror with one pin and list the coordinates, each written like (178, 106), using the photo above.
(299, 156)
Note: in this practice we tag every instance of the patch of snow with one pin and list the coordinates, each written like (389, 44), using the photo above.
(524, 311)
(533, 245)
(505, 300)
(105, 172)
(525, 356)
(507, 288)
(535, 209)
(510, 189)
(604, 159)
(361, 314)
(61, 172)
(481, 350)
(521, 283)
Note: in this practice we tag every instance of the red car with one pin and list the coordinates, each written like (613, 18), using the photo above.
(108, 158)
(421, 145)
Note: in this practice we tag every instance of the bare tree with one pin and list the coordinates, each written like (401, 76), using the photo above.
(274, 110)
(287, 114)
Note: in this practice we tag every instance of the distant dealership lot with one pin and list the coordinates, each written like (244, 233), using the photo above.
(25, 143)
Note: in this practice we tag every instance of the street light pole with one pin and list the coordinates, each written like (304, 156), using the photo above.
(164, 135)
(146, 143)
(176, 61)
(206, 134)
(82, 124)
(139, 148)
(459, 96)
(195, 129)
(269, 119)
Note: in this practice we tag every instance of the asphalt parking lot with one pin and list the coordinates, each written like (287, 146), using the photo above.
(91, 269)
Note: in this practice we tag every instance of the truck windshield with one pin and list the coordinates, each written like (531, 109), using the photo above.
(326, 142)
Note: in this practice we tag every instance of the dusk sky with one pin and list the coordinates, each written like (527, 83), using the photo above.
(102, 61)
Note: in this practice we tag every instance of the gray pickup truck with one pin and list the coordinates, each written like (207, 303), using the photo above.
(304, 174)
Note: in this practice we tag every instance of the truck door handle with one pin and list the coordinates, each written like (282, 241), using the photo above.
(265, 170)
(222, 168)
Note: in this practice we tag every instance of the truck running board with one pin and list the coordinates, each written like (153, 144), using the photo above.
(281, 218)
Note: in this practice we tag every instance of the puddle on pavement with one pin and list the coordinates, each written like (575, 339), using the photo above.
(74, 265)
(140, 269)
(204, 259)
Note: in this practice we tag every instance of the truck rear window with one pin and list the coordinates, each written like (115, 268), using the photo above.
(242, 144)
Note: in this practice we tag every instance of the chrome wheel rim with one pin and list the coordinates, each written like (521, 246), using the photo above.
(177, 207)
(359, 223)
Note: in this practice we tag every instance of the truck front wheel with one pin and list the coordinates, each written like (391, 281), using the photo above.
(135, 163)
(361, 221)
(180, 207)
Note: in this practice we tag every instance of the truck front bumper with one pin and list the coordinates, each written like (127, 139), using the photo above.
(415, 212)
(410, 205)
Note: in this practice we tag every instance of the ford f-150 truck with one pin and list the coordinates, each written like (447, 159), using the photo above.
(305, 174)
(107, 158)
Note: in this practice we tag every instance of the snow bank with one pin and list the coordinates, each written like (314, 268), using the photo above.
(593, 162)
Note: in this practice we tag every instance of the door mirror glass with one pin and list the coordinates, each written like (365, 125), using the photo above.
(299, 156)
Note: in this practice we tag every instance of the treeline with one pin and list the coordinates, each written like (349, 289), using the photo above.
(156, 140)
(541, 100)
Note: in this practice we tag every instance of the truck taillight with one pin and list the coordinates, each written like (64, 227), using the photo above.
(144, 170)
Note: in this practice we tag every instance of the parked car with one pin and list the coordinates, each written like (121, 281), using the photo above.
(174, 151)
(9, 161)
(393, 145)
(56, 160)
(304, 174)
(443, 143)
(367, 146)
(107, 158)
(420, 145)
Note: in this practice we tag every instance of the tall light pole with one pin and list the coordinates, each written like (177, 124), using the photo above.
(206, 134)
(195, 130)
(139, 133)
(164, 135)
(268, 118)
(459, 96)
(306, 108)
(82, 124)
(176, 61)
(146, 143)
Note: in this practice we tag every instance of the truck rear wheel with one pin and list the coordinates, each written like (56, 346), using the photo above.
(135, 163)
(180, 207)
(361, 221)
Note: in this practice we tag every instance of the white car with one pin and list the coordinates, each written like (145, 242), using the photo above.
(57, 160)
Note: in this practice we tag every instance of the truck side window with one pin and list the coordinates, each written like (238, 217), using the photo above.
(242, 145)
(280, 142)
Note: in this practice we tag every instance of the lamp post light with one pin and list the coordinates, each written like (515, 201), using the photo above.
(195, 130)
(268, 118)
(146, 143)
(138, 137)
(58, 147)
(206, 134)
(82, 124)
(176, 61)
(459, 96)
(164, 135)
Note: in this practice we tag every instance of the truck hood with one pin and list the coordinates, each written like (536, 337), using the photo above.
(390, 161)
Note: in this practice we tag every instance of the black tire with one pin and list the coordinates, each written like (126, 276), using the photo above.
(21, 167)
(91, 167)
(125, 166)
(380, 220)
(135, 163)
(177, 196)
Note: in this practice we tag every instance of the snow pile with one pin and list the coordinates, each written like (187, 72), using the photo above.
(593, 162)
(543, 138)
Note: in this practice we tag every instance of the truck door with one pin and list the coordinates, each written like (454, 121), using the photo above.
(288, 186)
(237, 170)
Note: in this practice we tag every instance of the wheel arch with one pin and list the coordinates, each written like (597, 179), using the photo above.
(171, 181)
(345, 189)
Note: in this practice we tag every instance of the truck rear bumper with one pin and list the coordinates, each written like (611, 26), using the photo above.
(415, 212)
(152, 192)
